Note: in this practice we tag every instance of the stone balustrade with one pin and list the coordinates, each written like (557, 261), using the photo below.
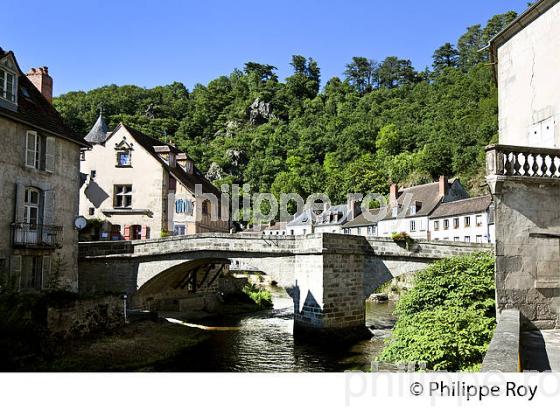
(517, 161)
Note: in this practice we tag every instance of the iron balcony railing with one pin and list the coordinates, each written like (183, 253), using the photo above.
(517, 161)
(36, 236)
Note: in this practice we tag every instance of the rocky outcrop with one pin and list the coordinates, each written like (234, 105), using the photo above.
(260, 112)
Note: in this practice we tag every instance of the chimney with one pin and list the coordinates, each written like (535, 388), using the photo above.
(42, 81)
(393, 194)
(443, 185)
(353, 207)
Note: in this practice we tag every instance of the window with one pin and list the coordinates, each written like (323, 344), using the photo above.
(183, 206)
(91, 211)
(116, 233)
(436, 225)
(456, 239)
(412, 226)
(206, 208)
(83, 155)
(39, 152)
(467, 221)
(455, 223)
(467, 238)
(395, 211)
(32, 150)
(93, 174)
(413, 209)
(136, 232)
(446, 224)
(7, 86)
(372, 230)
(123, 196)
(479, 220)
(478, 238)
(31, 211)
(359, 231)
(347, 231)
(123, 159)
(304, 231)
(291, 231)
(32, 270)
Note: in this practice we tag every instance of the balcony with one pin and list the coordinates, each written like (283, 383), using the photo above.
(522, 162)
(36, 236)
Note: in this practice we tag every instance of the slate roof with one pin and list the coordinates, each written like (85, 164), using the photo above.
(324, 218)
(34, 110)
(361, 219)
(428, 195)
(99, 132)
(464, 206)
(148, 143)
(307, 217)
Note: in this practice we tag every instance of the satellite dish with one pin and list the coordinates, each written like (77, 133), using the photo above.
(80, 223)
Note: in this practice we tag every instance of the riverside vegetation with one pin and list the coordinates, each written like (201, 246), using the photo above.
(381, 122)
(447, 319)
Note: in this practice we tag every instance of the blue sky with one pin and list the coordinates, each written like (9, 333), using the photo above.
(87, 44)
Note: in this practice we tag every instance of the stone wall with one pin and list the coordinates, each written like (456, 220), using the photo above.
(528, 250)
(83, 317)
(503, 352)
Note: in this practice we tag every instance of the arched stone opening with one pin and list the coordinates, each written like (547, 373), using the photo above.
(188, 285)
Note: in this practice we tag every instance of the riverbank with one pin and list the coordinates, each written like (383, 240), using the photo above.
(138, 346)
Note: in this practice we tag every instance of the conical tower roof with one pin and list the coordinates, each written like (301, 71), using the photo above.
(99, 132)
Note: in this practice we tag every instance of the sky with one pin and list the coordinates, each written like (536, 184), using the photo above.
(90, 43)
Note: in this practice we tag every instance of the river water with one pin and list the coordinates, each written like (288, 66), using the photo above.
(263, 342)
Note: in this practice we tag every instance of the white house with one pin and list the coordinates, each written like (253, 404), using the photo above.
(410, 208)
(466, 220)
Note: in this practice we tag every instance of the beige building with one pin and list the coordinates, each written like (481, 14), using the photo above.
(523, 170)
(39, 182)
(527, 75)
(140, 188)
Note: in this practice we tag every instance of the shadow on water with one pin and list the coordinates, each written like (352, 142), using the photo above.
(263, 342)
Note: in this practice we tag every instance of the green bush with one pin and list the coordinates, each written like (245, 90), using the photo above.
(261, 297)
(447, 319)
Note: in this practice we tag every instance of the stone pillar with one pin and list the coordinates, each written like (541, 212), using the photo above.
(328, 293)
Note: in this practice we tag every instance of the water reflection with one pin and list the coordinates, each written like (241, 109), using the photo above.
(264, 343)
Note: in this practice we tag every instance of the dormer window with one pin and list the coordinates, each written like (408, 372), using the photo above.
(184, 162)
(124, 154)
(415, 208)
(8, 85)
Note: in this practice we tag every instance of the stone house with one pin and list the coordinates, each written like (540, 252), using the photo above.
(409, 208)
(39, 182)
(523, 169)
(465, 220)
(144, 188)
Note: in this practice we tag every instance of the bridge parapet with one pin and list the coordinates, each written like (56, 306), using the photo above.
(426, 249)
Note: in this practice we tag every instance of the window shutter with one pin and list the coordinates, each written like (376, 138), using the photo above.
(15, 268)
(30, 148)
(48, 207)
(50, 147)
(144, 232)
(127, 232)
(46, 271)
(20, 199)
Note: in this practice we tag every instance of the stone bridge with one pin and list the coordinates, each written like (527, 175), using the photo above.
(327, 275)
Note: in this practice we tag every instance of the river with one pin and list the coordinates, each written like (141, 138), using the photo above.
(263, 342)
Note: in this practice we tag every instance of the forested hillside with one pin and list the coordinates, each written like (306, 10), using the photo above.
(381, 122)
